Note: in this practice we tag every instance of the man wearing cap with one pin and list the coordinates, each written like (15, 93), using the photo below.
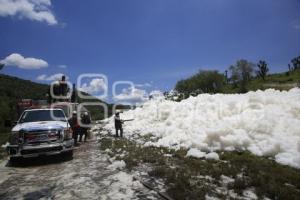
(75, 126)
(118, 124)
(86, 121)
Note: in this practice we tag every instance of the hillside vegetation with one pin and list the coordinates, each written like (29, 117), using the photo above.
(13, 89)
(241, 77)
(280, 81)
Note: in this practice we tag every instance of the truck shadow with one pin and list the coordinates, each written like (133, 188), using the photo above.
(39, 194)
(38, 161)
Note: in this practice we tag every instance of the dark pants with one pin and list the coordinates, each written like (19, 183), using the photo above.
(76, 131)
(121, 131)
(83, 132)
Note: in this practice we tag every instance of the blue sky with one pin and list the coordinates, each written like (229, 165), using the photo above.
(157, 42)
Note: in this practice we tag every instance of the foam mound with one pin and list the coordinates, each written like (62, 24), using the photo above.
(266, 123)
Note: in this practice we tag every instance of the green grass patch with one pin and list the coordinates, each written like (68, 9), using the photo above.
(268, 177)
(135, 153)
(186, 177)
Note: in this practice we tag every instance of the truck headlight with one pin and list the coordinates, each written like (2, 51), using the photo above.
(68, 133)
(14, 138)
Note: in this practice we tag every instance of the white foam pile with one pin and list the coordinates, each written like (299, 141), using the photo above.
(122, 186)
(119, 164)
(266, 123)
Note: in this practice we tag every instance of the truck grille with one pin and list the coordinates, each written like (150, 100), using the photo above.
(41, 136)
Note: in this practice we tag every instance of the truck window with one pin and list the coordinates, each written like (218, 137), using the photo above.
(42, 115)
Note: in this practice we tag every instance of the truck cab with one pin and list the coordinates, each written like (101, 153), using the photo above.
(38, 132)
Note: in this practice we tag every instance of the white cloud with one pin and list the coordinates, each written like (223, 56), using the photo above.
(156, 94)
(18, 60)
(37, 10)
(143, 85)
(62, 66)
(131, 95)
(54, 77)
(95, 86)
(296, 24)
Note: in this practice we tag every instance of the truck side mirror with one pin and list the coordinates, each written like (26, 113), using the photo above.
(8, 123)
(14, 123)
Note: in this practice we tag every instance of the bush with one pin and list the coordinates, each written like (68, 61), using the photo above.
(202, 82)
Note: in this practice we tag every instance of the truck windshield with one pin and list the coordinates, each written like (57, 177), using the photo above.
(42, 115)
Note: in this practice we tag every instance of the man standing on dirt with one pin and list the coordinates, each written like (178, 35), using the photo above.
(86, 121)
(75, 126)
(118, 124)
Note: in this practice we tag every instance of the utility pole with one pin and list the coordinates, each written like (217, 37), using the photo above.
(226, 76)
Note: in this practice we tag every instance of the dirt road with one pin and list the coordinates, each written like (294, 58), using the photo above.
(88, 175)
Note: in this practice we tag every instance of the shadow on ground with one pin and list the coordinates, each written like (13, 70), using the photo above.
(38, 194)
(38, 161)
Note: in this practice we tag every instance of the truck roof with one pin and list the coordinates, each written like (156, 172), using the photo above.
(33, 109)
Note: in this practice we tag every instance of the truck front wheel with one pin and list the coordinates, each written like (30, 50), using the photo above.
(68, 155)
(14, 160)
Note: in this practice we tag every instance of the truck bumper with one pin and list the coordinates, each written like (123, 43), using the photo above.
(28, 151)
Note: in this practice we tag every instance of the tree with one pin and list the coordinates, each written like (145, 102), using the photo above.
(242, 70)
(241, 73)
(202, 82)
(226, 76)
(262, 69)
(296, 63)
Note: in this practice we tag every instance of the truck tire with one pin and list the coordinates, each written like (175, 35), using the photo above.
(14, 160)
(68, 155)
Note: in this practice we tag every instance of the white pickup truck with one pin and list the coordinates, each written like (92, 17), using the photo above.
(41, 132)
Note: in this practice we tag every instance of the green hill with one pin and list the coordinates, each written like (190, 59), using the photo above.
(215, 82)
(13, 89)
(240, 77)
(279, 81)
